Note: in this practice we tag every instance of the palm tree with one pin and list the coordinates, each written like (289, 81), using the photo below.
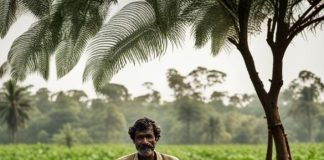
(14, 106)
(140, 31)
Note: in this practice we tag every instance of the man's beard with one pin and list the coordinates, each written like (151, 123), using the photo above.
(145, 150)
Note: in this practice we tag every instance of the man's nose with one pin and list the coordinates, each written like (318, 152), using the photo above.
(145, 141)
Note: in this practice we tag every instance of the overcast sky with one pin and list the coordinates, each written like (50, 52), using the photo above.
(305, 53)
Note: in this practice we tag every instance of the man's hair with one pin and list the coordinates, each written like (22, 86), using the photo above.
(142, 125)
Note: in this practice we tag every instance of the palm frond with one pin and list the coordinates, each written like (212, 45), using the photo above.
(203, 26)
(23, 116)
(4, 68)
(130, 36)
(64, 57)
(168, 19)
(20, 92)
(69, 51)
(212, 23)
(31, 51)
(25, 104)
(260, 10)
(4, 110)
(39, 8)
(7, 15)
(219, 35)
(175, 27)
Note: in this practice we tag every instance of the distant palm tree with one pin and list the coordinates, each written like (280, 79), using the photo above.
(14, 106)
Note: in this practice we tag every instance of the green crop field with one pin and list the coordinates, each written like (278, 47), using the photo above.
(190, 152)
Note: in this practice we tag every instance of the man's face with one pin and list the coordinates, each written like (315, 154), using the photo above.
(145, 142)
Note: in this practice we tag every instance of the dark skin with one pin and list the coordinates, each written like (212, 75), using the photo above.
(145, 142)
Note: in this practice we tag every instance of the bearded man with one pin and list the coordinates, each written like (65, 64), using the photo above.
(145, 134)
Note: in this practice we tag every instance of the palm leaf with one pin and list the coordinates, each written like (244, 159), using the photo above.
(130, 36)
(3, 112)
(31, 51)
(4, 68)
(7, 15)
(260, 10)
(69, 51)
(39, 8)
(216, 20)
(213, 23)
(168, 19)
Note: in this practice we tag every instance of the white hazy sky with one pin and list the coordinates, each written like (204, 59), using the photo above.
(305, 53)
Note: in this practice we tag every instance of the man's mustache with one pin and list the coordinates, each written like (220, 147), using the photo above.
(145, 146)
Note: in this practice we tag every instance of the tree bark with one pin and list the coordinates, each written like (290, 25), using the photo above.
(269, 146)
(279, 136)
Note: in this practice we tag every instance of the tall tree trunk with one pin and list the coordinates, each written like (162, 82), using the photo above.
(269, 100)
(269, 103)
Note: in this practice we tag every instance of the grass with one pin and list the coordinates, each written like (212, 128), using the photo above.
(183, 152)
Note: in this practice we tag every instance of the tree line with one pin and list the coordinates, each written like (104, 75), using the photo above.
(193, 117)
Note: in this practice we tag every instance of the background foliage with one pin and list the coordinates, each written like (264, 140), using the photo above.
(191, 118)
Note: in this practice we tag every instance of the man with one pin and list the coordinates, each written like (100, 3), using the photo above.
(145, 134)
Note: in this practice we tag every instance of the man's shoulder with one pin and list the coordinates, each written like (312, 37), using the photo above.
(127, 157)
(168, 157)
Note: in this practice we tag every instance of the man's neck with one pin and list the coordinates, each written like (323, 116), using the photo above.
(147, 158)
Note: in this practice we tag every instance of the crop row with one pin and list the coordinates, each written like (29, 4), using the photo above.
(188, 152)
